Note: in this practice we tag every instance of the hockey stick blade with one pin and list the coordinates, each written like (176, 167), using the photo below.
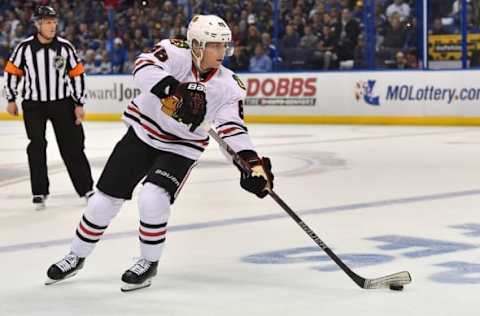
(399, 278)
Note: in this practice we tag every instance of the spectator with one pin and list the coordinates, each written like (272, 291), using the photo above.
(129, 66)
(260, 62)
(381, 20)
(332, 5)
(319, 9)
(165, 27)
(3, 35)
(316, 22)
(105, 66)
(2, 65)
(399, 7)
(412, 58)
(243, 21)
(271, 49)
(252, 40)
(291, 38)
(237, 36)
(347, 4)
(440, 8)
(395, 34)
(118, 56)
(239, 61)
(359, 58)
(309, 39)
(83, 35)
(437, 28)
(475, 59)
(89, 62)
(298, 21)
(17, 36)
(325, 53)
(411, 30)
(139, 41)
(456, 6)
(349, 31)
(401, 61)
(251, 19)
(357, 12)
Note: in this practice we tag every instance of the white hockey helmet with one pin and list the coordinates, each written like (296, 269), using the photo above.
(209, 28)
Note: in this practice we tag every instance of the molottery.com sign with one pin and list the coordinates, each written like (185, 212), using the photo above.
(366, 91)
(281, 91)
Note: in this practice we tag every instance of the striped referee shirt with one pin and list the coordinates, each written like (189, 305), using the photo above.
(50, 71)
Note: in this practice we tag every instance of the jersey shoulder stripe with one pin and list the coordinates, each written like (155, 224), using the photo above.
(66, 42)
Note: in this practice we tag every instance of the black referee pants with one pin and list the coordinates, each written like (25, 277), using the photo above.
(70, 139)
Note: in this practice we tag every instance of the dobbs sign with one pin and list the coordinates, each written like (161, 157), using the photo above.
(281, 91)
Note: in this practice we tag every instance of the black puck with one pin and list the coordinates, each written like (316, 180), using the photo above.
(395, 287)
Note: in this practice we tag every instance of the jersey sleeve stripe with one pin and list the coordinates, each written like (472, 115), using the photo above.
(240, 133)
(143, 60)
(145, 65)
(227, 130)
(233, 123)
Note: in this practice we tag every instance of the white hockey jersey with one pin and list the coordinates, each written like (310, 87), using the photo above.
(224, 94)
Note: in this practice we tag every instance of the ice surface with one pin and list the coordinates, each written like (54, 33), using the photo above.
(385, 199)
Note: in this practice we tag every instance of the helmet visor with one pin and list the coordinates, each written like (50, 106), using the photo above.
(227, 47)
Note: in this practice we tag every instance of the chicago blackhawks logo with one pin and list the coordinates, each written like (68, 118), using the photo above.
(240, 82)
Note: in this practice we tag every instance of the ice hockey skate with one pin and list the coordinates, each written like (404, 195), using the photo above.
(39, 202)
(139, 275)
(64, 269)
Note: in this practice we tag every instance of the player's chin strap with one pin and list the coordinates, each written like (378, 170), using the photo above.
(197, 59)
(396, 279)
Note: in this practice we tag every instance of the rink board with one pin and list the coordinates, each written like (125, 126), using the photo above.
(386, 97)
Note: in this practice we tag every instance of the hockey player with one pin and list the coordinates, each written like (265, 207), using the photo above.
(183, 85)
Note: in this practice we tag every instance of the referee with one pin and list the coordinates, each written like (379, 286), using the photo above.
(53, 89)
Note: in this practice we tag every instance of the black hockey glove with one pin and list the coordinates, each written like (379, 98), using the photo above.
(187, 104)
(259, 179)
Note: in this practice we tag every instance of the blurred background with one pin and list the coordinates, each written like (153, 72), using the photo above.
(302, 35)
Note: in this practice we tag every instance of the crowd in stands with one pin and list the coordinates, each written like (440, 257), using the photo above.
(446, 17)
(311, 34)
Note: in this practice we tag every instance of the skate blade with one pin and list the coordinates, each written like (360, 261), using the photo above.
(128, 287)
(40, 207)
(52, 281)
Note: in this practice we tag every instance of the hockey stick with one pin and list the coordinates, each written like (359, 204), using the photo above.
(395, 280)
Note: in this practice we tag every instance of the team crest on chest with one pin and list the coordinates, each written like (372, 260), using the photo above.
(59, 62)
